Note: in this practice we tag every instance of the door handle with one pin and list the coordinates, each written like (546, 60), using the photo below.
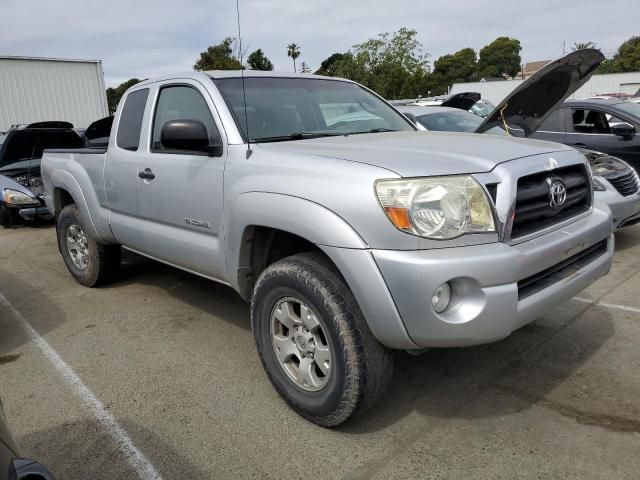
(147, 174)
(581, 145)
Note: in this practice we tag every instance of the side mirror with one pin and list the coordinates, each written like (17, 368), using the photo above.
(624, 130)
(411, 117)
(188, 135)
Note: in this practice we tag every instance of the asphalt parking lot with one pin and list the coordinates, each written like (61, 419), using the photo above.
(171, 358)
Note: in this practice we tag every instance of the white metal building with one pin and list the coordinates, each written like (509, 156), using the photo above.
(41, 89)
(496, 91)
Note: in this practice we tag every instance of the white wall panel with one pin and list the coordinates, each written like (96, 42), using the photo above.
(495, 92)
(36, 90)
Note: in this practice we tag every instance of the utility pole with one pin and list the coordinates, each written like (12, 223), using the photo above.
(564, 48)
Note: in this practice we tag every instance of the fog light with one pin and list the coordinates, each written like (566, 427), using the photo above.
(441, 298)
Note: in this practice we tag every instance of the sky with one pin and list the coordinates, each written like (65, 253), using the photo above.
(147, 38)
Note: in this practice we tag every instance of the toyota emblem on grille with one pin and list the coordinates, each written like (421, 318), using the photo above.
(557, 193)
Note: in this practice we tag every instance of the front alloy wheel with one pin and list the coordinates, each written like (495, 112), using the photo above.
(300, 344)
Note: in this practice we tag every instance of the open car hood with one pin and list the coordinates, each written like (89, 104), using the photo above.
(463, 101)
(538, 96)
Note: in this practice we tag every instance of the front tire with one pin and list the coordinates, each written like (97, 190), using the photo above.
(91, 263)
(314, 342)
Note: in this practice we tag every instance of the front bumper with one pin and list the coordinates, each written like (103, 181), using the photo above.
(625, 210)
(486, 305)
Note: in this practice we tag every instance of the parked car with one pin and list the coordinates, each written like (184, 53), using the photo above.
(349, 237)
(20, 182)
(12, 466)
(608, 126)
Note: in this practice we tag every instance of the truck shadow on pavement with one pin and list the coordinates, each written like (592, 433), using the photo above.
(83, 450)
(35, 306)
(499, 379)
(627, 238)
(206, 295)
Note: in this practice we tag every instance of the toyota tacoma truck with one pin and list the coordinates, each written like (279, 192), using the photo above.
(350, 232)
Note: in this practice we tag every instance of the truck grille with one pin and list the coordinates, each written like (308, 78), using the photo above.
(625, 182)
(534, 210)
(548, 277)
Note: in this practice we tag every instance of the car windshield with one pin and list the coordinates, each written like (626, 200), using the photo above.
(281, 109)
(454, 121)
(630, 107)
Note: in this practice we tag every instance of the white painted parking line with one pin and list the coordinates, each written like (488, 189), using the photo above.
(135, 457)
(608, 305)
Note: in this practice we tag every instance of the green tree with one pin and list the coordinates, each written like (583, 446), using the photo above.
(293, 51)
(329, 65)
(582, 46)
(258, 61)
(458, 67)
(500, 58)
(626, 59)
(219, 57)
(389, 64)
(115, 94)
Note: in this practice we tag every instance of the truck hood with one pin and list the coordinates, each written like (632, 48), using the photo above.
(414, 154)
(537, 97)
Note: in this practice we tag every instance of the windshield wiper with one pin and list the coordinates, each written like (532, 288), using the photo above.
(295, 136)
(376, 130)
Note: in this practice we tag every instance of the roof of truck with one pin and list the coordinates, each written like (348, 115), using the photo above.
(236, 74)
(261, 73)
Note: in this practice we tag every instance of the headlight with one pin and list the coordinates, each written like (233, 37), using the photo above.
(603, 165)
(13, 197)
(436, 207)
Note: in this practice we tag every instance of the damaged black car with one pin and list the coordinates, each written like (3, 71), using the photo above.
(21, 187)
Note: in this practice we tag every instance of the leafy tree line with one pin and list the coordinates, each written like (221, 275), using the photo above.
(395, 66)
(626, 59)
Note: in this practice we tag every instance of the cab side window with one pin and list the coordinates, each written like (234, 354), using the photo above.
(589, 121)
(130, 123)
(181, 102)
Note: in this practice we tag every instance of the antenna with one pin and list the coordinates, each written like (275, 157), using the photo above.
(244, 92)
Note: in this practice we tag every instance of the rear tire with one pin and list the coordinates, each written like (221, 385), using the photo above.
(358, 368)
(91, 263)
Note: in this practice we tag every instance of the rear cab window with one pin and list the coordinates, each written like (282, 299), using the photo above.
(130, 123)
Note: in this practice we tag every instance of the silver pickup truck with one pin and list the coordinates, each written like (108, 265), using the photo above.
(350, 232)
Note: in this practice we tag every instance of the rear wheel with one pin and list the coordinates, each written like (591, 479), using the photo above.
(314, 342)
(90, 262)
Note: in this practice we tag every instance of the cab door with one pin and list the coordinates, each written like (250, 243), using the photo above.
(181, 192)
(121, 172)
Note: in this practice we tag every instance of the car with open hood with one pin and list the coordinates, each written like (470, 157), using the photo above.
(611, 126)
(20, 180)
(615, 183)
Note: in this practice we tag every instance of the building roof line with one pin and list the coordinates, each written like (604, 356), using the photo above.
(47, 59)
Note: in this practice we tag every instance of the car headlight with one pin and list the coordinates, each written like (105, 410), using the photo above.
(436, 207)
(14, 197)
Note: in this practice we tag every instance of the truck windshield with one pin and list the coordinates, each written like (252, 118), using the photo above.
(280, 109)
